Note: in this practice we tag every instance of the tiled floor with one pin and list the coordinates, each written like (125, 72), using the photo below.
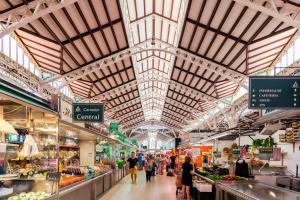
(161, 187)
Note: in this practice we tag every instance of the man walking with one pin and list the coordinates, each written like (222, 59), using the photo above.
(133, 167)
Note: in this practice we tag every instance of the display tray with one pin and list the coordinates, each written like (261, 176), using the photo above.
(205, 178)
(255, 190)
(79, 184)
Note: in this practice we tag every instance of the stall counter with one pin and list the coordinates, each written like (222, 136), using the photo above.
(252, 190)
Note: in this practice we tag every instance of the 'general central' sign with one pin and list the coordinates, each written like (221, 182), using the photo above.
(88, 112)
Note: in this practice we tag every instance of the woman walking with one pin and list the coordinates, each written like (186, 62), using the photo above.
(187, 172)
(148, 168)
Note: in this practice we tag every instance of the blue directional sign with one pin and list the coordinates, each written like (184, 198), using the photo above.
(275, 92)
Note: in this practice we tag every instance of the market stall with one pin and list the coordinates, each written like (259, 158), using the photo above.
(29, 145)
(252, 190)
(43, 156)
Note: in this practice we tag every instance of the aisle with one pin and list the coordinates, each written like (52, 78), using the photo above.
(161, 187)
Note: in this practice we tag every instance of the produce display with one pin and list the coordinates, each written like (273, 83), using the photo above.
(30, 196)
(255, 162)
(102, 167)
(120, 164)
(265, 143)
(73, 174)
(67, 179)
(226, 178)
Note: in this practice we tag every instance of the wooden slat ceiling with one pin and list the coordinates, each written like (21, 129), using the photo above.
(151, 20)
(78, 35)
(229, 35)
(220, 31)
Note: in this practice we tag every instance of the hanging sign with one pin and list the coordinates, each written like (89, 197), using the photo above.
(274, 92)
(113, 127)
(88, 112)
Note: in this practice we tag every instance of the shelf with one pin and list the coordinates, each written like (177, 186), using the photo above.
(66, 146)
(66, 137)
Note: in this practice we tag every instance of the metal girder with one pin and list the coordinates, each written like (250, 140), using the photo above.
(129, 114)
(279, 9)
(188, 90)
(150, 122)
(143, 133)
(18, 72)
(230, 114)
(20, 16)
(169, 100)
(156, 17)
(74, 75)
(124, 105)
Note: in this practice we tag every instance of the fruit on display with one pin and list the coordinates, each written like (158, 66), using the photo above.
(30, 196)
(255, 162)
(73, 170)
(67, 179)
(103, 168)
(73, 174)
(233, 178)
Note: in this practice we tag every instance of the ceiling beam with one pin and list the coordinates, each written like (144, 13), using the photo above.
(280, 10)
(155, 16)
(21, 16)
(146, 46)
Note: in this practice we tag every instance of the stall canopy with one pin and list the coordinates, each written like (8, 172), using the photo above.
(153, 62)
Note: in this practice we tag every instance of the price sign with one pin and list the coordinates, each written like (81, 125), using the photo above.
(53, 176)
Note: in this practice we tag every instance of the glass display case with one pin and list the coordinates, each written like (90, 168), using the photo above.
(28, 149)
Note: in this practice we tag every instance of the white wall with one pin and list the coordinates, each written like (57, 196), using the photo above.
(87, 152)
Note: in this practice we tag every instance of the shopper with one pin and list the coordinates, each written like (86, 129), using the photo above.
(123, 157)
(148, 168)
(162, 166)
(132, 161)
(140, 161)
(154, 166)
(168, 163)
(187, 172)
(158, 163)
(173, 161)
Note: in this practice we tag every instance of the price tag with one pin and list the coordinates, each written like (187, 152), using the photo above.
(53, 176)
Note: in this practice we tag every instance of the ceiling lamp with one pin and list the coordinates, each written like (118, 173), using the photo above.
(6, 127)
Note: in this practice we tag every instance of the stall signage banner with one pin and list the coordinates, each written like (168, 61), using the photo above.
(88, 112)
(274, 92)
(134, 142)
(113, 127)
